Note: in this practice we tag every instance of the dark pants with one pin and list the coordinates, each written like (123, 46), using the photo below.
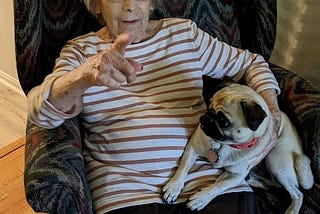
(232, 203)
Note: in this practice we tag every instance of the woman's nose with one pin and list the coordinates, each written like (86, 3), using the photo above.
(129, 5)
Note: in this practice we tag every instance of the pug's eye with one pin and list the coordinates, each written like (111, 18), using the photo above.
(223, 120)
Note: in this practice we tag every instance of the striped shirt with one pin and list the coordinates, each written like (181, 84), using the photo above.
(136, 135)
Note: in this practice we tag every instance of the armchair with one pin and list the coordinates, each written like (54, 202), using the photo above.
(55, 180)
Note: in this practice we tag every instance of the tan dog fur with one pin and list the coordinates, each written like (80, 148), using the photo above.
(285, 162)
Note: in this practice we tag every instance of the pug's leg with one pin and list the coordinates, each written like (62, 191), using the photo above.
(282, 167)
(173, 188)
(225, 181)
(297, 198)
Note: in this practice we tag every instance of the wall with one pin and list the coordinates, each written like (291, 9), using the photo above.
(7, 50)
(297, 46)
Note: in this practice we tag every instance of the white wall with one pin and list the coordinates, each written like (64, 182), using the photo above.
(7, 48)
(297, 46)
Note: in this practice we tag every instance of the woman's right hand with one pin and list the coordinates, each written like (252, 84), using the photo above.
(108, 68)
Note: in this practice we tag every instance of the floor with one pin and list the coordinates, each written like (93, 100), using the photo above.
(12, 197)
(13, 108)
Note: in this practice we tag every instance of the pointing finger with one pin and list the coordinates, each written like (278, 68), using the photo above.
(121, 42)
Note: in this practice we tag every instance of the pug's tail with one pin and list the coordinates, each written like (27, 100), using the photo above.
(303, 170)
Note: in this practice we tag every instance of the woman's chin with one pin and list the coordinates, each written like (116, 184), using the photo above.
(138, 38)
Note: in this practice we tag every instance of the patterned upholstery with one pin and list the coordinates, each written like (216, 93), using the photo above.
(55, 179)
(300, 100)
(42, 27)
(54, 172)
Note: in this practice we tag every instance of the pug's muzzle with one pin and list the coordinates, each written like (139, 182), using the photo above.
(213, 123)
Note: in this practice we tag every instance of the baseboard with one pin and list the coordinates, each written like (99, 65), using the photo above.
(9, 81)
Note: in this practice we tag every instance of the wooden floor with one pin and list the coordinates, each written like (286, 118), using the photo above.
(12, 198)
(13, 112)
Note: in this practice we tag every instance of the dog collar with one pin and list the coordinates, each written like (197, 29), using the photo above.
(245, 145)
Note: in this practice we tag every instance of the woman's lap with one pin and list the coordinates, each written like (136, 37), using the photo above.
(232, 203)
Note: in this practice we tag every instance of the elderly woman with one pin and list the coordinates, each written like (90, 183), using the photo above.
(136, 85)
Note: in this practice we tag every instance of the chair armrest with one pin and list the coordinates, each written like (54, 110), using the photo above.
(55, 180)
(300, 100)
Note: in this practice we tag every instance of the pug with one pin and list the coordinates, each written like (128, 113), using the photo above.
(236, 128)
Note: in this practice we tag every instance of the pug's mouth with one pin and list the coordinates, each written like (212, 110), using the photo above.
(228, 140)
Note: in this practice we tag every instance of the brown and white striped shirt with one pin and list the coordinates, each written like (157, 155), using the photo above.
(136, 135)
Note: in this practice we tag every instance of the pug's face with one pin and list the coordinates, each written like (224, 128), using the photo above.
(234, 113)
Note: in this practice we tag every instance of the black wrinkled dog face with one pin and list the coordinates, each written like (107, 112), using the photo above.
(213, 123)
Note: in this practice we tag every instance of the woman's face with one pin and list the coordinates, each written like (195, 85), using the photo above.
(126, 16)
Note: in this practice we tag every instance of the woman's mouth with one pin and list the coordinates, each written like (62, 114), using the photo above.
(130, 22)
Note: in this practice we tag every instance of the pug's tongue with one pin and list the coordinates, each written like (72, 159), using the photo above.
(213, 156)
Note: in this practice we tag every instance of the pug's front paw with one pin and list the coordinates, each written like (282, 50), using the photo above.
(172, 190)
(199, 200)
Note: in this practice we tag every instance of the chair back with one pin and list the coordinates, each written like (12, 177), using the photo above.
(42, 27)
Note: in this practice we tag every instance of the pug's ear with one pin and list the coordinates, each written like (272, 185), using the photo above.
(253, 113)
(212, 85)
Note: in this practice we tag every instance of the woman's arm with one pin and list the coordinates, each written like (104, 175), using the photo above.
(270, 96)
(64, 99)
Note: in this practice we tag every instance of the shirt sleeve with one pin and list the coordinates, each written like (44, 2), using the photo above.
(40, 111)
(219, 59)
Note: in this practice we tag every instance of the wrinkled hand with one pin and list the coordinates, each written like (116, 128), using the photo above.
(107, 68)
(110, 67)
